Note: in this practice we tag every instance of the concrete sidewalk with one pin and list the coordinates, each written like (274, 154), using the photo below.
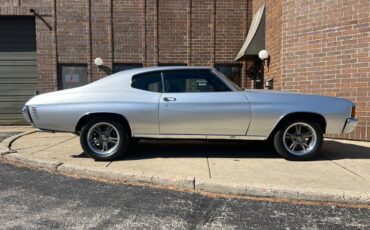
(340, 174)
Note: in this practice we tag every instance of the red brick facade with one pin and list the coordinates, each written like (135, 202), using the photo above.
(323, 48)
(318, 47)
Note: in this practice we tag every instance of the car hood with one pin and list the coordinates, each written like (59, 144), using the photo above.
(272, 96)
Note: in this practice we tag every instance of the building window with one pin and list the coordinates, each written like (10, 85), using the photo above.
(72, 75)
(231, 71)
(172, 64)
(117, 67)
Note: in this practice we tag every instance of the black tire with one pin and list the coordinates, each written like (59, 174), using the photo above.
(117, 151)
(306, 154)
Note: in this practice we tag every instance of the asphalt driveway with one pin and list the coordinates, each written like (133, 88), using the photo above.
(40, 200)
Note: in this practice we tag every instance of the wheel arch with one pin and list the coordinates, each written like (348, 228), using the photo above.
(319, 118)
(118, 117)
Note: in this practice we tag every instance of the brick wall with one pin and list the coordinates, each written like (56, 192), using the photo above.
(273, 38)
(173, 31)
(72, 31)
(231, 29)
(128, 31)
(202, 32)
(326, 50)
(151, 32)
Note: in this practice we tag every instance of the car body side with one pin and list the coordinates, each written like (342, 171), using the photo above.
(62, 110)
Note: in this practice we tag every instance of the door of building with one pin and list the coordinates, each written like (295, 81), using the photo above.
(18, 62)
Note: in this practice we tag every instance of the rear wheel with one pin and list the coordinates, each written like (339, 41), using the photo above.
(104, 139)
(298, 140)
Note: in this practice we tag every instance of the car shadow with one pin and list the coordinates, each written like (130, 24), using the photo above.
(147, 149)
(190, 149)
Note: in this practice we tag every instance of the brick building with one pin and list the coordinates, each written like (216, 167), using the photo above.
(318, 47)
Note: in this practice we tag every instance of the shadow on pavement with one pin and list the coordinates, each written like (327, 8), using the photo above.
(169, 149)
(334, 150)
(146, 149)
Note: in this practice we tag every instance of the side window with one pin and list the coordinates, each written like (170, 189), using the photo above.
(149, 82)
(189, 81)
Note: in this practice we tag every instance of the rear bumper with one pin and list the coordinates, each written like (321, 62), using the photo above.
(350, 125)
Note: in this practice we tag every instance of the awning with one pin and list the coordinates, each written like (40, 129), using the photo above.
(255, 40)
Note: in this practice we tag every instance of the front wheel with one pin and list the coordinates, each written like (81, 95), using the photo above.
(298, 140)
(104, 139)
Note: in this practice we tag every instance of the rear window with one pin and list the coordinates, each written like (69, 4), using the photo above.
(151, 82)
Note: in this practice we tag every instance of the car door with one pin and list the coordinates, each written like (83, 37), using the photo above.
(198, 102)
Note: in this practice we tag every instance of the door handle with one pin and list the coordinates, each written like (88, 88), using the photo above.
(169, 99)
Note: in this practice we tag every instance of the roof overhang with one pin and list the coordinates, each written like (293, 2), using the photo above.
(255, 40)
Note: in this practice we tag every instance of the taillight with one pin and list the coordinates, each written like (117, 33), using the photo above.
(353, 113)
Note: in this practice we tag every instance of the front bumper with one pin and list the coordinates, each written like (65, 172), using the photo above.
(26, 114)
(350, 125)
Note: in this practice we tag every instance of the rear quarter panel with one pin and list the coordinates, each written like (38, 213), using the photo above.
(62, 112)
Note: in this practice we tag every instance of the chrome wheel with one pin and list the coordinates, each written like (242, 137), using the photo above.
(300, 138)
(103, 138)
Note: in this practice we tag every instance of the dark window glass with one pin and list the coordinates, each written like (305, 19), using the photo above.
(231, 71)
(121, 67)
(150, 82)
(182, 81)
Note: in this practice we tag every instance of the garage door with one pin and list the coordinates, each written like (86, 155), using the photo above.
(18, 74)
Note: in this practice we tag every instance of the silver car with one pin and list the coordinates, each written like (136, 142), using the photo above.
(188, 103)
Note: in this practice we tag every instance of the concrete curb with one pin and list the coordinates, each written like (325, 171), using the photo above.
(284, 193)
(194, 184)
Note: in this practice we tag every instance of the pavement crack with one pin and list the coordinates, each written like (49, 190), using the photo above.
(8, 152)
(50, 146)
(109, 164)
(209, 168)
(343, 167)
(58, 165)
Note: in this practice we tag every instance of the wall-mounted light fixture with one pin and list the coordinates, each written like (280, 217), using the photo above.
(263, 55)
(98, 62)
(41, 17)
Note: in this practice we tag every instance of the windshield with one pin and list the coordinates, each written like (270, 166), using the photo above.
(228, 80)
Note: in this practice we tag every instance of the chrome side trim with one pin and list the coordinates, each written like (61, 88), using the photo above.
(210, 137)
(350, 125)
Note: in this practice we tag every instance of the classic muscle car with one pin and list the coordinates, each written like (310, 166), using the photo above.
(188, 103)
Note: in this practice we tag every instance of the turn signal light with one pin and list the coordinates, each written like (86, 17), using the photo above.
(353, 113)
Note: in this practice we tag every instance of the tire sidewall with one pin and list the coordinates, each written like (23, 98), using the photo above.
(279, 142)
(122, 146)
